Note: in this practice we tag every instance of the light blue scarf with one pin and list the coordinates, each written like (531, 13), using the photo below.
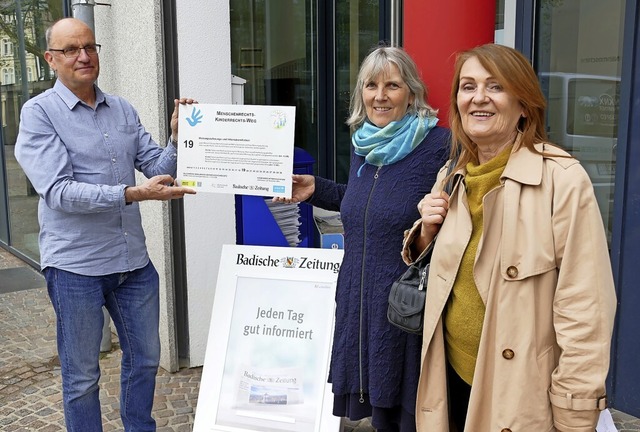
(384, 146)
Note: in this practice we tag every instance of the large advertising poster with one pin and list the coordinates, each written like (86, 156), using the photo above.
(267, 356)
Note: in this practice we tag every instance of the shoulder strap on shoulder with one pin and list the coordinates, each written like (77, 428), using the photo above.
(453, 180)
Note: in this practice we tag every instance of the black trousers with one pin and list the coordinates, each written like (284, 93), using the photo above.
(459, 392)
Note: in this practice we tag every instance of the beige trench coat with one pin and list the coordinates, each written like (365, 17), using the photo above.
(543, 271)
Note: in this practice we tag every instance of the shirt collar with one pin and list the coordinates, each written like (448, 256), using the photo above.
(71, 100)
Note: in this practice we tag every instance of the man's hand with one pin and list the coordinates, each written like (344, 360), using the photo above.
(174, 115)
(156, 188)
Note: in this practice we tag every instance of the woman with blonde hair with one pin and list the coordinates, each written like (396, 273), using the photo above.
(397, 150)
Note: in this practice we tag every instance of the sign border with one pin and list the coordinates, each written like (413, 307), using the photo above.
(221, 317)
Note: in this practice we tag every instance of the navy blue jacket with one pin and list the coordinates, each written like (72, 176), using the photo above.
(369, 354)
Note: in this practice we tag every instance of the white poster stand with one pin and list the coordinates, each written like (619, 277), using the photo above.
(267, 357)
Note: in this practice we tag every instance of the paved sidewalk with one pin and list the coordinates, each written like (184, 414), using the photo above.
(30, 385)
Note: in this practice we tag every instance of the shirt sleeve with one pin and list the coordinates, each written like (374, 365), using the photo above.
(151, 159)
(47, 163)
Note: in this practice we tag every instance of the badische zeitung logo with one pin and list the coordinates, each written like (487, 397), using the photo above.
(287, 262)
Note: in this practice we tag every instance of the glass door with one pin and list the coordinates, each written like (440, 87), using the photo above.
(273, 47)
(358, 30)
(579, 61)
(23, 74)
(306, 53)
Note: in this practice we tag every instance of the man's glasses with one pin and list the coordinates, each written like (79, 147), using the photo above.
(74, 52)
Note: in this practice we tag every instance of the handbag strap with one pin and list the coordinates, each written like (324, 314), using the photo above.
(448, 188)
(454, 179)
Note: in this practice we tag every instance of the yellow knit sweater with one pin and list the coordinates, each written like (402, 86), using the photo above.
(465, 309)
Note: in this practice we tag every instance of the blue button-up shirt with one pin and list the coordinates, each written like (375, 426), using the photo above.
(80, 160)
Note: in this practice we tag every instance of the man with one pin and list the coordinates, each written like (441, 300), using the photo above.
(80, 148)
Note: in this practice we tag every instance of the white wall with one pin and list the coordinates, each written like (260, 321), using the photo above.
(133, 67)
(131, 61)
(204, 59)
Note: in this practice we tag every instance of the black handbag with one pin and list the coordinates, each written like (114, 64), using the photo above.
(409, 292)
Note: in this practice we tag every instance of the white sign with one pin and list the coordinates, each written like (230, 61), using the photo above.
(267, 358)
(236, 149)
(605, 422)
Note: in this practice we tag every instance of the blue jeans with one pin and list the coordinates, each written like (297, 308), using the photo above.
(132, 300)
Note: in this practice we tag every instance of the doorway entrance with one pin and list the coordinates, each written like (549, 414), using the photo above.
(306, 53)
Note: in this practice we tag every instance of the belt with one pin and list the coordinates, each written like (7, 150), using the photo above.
(568, 402)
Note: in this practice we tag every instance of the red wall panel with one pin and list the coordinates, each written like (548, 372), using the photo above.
(434, 30)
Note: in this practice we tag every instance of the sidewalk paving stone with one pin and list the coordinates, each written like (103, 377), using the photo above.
(30, 383)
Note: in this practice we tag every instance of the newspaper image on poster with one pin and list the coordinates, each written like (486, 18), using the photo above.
(236, 149)
(269, 344)
(270, 386)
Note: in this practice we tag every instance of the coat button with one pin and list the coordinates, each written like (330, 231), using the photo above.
(508, 354)
(512, 271)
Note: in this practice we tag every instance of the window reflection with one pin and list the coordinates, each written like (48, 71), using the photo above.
(23, 74)
(273, 47)
(357, 32)
(578, 55)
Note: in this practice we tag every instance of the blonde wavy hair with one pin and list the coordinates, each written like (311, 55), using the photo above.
(377, 63)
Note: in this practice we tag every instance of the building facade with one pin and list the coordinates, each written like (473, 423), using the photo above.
(306, 53)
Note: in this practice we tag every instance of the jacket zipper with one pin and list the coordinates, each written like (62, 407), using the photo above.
(364, 250)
